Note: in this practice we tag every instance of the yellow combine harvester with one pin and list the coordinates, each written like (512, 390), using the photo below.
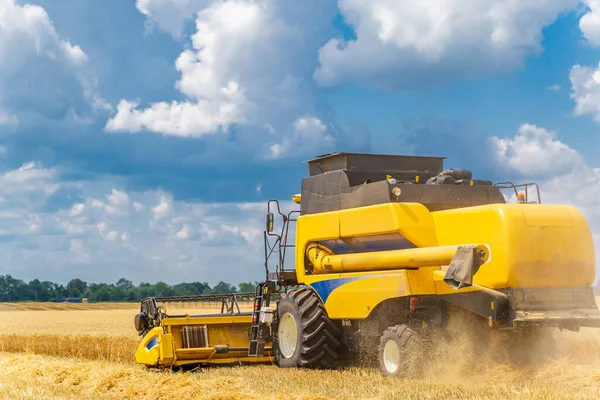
(385, 248)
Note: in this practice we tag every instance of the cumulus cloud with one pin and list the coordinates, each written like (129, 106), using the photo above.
(170, 15)
(41, 73)
(402, 43)
(585, 85)
(590, 22)
(535, 151)
(217, 72)
(7, 119)
(310, 135)
(108, 233)
(248, 70)
(181, 118)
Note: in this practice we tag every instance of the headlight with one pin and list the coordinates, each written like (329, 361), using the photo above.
(397, 191)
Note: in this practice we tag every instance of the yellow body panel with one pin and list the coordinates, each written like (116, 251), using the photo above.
(411, 220)
(165, 349)
(165, 344)
(148, 351)
(355, 295)
(530, 245)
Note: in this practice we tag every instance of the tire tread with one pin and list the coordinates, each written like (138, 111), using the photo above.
(320, 342)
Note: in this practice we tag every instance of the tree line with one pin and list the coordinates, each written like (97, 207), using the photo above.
(13, 290)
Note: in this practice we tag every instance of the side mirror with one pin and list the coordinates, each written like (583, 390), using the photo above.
(270, 222)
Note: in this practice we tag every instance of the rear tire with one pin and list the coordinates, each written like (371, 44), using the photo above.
(306, 337)
(400, 352)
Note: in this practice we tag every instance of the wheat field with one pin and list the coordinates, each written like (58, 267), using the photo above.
(81, 351)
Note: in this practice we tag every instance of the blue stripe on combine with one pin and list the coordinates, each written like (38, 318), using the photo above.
(152, 343)
(325, 287)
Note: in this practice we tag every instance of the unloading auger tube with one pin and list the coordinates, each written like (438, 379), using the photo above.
(324, 261)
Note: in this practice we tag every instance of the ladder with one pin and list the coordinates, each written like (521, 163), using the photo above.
(259, 329)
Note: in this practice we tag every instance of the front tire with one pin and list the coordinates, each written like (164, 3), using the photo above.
(306, 337)
(400, 352)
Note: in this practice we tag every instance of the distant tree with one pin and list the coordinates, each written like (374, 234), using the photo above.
(12, 289)
(222, 288)
(247, 287)
(202, 287)
(76, 287)
(40, 291)
(124, 284)
(161, 289)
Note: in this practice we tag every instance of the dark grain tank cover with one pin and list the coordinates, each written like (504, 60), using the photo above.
(341, 181)
(391, 164)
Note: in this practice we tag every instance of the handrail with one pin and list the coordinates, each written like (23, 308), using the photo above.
(508, 185)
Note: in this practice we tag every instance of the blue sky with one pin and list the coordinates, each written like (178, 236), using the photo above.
(142, 138)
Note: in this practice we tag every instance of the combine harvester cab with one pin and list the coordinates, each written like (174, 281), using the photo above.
(174, 338)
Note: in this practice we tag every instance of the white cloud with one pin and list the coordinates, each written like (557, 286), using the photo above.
(112, 235)
(118, 202)
(87, 239)
(118, 199)
(309, 127)
(32, 24)
(101, 227)
(79, 251)
(403, 43)
(8, 119)
(164, 208)
(585, 85)
(590, 22)
(249, 65)
(554, 88)
(214, 74)
(58, 84)
(310, 135)
(30, 177)
(181, 119)
(138, 206)
(77, 209)
(534, 151)
(184, 233)
(170, 15)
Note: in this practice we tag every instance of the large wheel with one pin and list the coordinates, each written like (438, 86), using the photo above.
(306, 337)
(400, 352)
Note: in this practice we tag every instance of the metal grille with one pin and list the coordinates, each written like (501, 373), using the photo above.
(194, 336)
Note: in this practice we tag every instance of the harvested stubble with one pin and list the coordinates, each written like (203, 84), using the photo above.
(34, 376)
(30, 306)
(97, 348)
